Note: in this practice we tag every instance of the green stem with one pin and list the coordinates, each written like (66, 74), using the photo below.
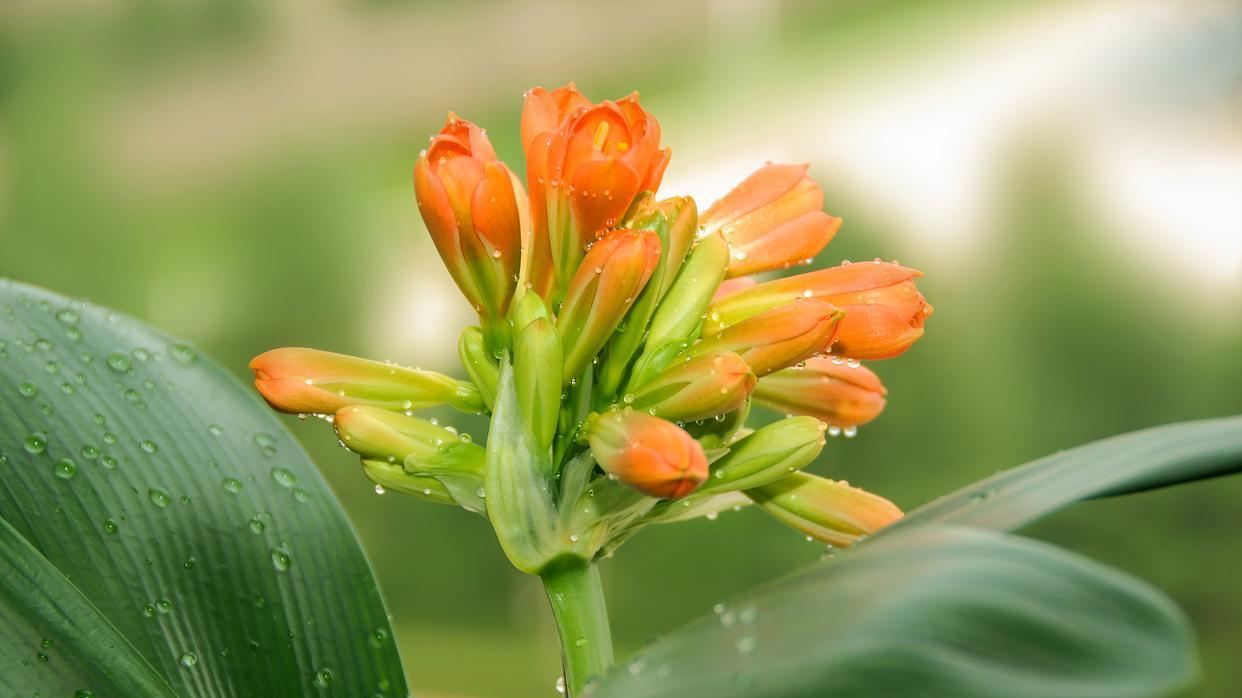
(577, 600)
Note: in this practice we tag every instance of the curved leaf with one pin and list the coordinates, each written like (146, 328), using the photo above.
(174, 503)
(932, 611)
(35, 598)
(1134, 462)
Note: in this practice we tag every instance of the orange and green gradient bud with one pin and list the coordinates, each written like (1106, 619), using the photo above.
(585, 164)
(884, 311)
(612, 274)
(779, 337)
(838, 392)
(309, 381)
(829, 511)
(772, 220)
(767, 454)
(382, 435)
(471, 204)
(655, 457)
(702, 387)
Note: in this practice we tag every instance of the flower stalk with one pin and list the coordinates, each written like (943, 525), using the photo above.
(577, 600)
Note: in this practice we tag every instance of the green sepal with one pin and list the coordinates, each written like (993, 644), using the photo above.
(479, 363)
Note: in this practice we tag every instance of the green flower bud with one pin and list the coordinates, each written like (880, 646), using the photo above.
(537, 377)
(676, 222)
(829, 511)
(529, 307)
(393, 478)
(381, 435)
(479, 363)
(768, 454)
(702, 387)
(681, 311)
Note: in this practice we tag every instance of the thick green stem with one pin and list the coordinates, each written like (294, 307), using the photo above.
(581, 621)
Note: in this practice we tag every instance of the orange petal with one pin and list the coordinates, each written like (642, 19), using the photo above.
(602, 192)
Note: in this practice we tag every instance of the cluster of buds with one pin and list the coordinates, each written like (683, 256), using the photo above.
(622, 341)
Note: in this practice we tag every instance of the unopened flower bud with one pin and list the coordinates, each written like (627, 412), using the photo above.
(537, 378)
(392, 477)
(773, 219)
(829, 511)
(610, 278)
(653, 456)
(837, 392)
(767, 454)
(681, 310)
(308, 381)
(884, 311)
(702, 387)
(470, 203)
(676, 222)
(480, 364)
(381, 435)
(777, 338)
(529, 307)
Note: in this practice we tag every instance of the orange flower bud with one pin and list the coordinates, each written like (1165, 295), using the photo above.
(585, 164)
(773, 219)
(470, 203)
(610, 278)
(829, 511)
(702, 387)
(833, 391)
(308, 381)
(884, 311)
(779, 337)
(653, 456)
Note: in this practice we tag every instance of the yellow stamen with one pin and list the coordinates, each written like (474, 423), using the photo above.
(601, 135)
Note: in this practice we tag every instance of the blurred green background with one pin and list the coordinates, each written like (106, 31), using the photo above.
(1067, 174)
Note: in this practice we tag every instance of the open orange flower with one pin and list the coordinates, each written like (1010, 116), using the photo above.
(585, 163)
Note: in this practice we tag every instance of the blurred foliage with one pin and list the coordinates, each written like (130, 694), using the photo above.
(1044, 336)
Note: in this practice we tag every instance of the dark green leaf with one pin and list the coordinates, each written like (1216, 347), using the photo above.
(931, 611)
(178, 512)
(35, 597)
(1140, 460)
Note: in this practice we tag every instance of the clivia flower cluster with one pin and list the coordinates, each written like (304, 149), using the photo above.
(622, 341)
